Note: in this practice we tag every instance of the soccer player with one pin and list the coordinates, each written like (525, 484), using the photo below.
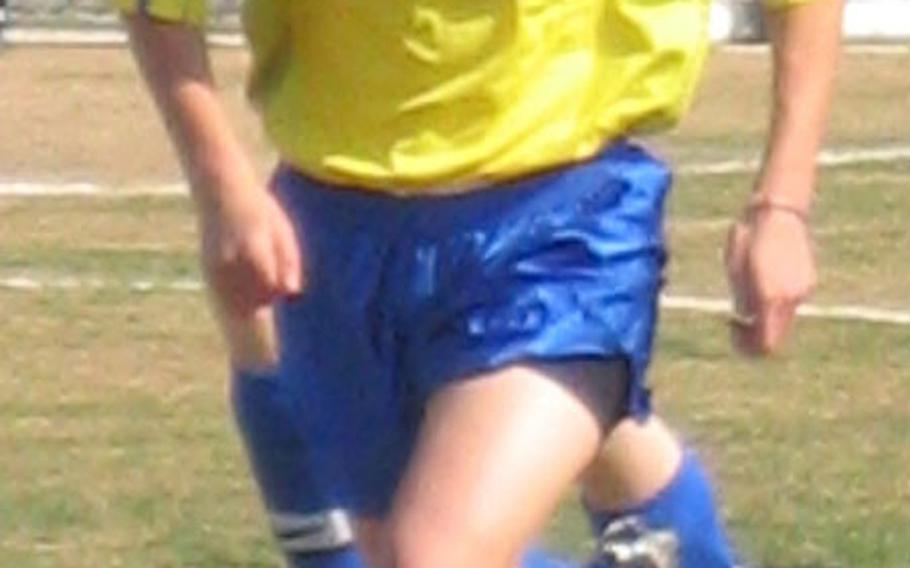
(463, 253)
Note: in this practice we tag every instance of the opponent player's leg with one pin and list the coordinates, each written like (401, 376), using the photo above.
(309, 526)
(648, 499)
(636, 460)
(495, 455)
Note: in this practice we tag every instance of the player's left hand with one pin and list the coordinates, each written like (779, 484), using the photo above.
(771, 269)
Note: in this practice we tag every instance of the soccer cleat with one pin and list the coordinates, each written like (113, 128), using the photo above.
(628, 543)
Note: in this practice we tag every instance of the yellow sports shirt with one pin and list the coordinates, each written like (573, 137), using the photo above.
(412, 95)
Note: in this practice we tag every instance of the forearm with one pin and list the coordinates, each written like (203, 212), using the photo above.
(806, 41)
(174, 63)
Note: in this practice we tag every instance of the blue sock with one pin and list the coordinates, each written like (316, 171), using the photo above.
(343, 558)
(683, 513)
(536, 558)
(291, 487)
(349, 558)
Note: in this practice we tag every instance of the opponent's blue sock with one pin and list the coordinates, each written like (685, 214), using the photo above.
(536, 558)
(681, 520)
(350, 558)
(309, 525)
(344, 558)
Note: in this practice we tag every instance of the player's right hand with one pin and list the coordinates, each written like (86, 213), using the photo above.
(250, 252)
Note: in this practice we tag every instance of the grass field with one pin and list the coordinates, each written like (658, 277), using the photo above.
(115, 444)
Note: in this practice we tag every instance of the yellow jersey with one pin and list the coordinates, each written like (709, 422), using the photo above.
(425, 95)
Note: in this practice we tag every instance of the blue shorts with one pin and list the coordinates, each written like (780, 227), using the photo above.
(406, 295)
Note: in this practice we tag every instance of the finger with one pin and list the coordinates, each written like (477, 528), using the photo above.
(737, 239)
(249, 292)
(237, 289)
(743, 320)
(257, 274)
(746, 334)
(744, 326)
(238, 276)
(252, 339)
(226, 291)
(736, 258)
(288, 258)
(736, 254)
(742, 336)
(773, 325)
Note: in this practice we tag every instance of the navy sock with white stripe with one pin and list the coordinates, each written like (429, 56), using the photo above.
(311, 528)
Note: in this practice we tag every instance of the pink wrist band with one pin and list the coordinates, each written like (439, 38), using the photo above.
(758, 203)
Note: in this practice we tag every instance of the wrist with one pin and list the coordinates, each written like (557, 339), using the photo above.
(214, 187)
(787, 177)
(760, 204)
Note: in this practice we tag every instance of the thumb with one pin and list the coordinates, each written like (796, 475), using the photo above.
(774, 323)
(288, 258)
(737, 261)
(252, 338)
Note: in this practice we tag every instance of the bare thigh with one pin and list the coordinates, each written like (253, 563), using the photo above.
(494, 456)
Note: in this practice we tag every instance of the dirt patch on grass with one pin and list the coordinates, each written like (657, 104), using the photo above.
(82, 113)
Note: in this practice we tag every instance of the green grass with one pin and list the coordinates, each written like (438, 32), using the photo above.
(117, 449)
(809, 449)
(859, 224)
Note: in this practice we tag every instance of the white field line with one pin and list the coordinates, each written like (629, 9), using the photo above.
(718, 306)
(715, 224)
(30, 284)
(847, 312)
(115, 36)
(896, 48)
(98, 37)
(828, 158)
(844, 157)
(88, 189)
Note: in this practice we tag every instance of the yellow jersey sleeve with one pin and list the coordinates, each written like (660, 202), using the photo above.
(192, 12)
